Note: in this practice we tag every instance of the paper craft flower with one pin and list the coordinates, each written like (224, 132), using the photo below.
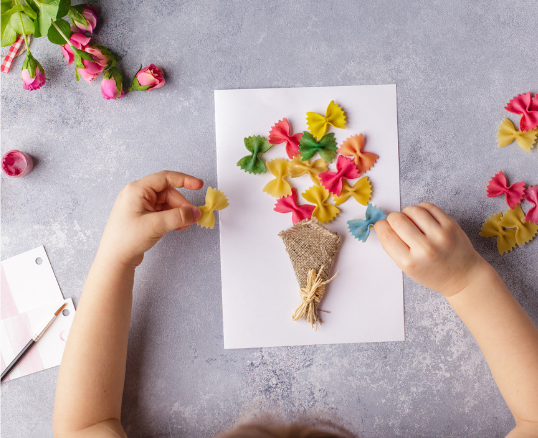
(531, 195)
(508, 133)
(506, 239)
(253, 163)
(525, 231)
(332, 181)
(281, 133)
(498, 185)
(214, 200)
(527, 107)
(326, 147)
(361, 191)
(278, 187)
(360, 228)
(333, 116)
(324, 212)
(299, 168)
(352, 147)
(289, 204)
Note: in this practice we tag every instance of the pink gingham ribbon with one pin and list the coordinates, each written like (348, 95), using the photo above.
(13, 50)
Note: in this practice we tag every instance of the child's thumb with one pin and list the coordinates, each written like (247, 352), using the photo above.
(177, 218)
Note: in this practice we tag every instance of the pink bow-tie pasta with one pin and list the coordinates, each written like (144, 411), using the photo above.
(526, 106)
(345, 168)
(498, 186)
(288, 204)
(281, 133)
(531, 195)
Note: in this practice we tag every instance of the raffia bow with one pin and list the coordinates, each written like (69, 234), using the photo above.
(311, 296)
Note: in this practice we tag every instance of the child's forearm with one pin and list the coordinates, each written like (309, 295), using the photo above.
(91, 378)
(507, 337)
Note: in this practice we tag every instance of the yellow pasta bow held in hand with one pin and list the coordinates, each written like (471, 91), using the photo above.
(508, 133)
(278, 187)
(214, 200)
(317, 124)
(361, 191)
(525, 231)
(324, 212)
(299, 168)
(506, 239)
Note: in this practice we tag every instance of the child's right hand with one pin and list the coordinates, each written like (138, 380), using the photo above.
(430, 247)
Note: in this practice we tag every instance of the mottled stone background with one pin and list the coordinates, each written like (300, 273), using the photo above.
(456, 64)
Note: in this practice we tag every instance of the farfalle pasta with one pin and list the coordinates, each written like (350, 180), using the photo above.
(507, 133)
(332, 181)
(253, 163)
(361, 192)
(360, 228)
(353, 147)
(531, 195)
(326, 147)
(281, 133)
(317, 124)
(527, 107)
(524, 231)
(278, 187)
(324, 212)
(498, 186)
(289, 204)
(314, 168)
(214, 200)
(506, 239)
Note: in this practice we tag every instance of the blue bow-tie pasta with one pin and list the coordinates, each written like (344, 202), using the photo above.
(360, 228)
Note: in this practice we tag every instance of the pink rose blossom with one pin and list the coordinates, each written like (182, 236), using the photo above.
(90, 14)
(109, 90)
(96, 53)
(35, 83)
(91, 69)
(79, 41)
(151, 75)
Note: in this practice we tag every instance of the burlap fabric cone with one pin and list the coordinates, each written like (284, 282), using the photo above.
(312, 249)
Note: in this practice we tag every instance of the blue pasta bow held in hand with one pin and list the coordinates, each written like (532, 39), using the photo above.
(360, 228)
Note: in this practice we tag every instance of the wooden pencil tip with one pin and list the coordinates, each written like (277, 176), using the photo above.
(60, 309)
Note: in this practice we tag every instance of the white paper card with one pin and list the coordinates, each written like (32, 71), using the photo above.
(259, 288)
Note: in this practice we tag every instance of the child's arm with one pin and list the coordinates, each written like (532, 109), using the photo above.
(430, 247)
(90, 383)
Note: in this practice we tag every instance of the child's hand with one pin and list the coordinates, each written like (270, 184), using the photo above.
(144, 211)
(430, 247)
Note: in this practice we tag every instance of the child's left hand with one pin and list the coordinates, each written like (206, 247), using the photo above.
(144, 211)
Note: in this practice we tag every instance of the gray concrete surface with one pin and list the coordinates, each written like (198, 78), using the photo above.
(455, 64)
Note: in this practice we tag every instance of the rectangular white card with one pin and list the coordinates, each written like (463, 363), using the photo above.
(259, 288)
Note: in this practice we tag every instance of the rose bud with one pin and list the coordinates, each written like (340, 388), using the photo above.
(111, 85)
(33, 75)
(89, 16)
(148, 78)
(79, 41)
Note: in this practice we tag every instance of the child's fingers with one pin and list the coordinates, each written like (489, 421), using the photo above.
(405, 229)
(175, 199)
(422, 219)
(168, 178)
(168, 220)
(392, 244)
(438, 214)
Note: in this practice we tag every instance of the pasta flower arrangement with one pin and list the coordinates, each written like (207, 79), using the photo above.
(71, 28)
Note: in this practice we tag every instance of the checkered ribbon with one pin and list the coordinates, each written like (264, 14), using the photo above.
(13, 50)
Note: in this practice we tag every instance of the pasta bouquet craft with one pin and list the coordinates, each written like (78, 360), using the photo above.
(310, 245)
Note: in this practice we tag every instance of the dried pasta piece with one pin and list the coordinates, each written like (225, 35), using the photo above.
(353, 147)
(531, 195)
(506, 239)
(508, 133)
(324, 212)
(360, 228)
(214, 200)
(525, 231)
(289, 204)
(253, 163)
(361, 191)
(527, 107)
(326, 147)
(281, 133)
(299, 168)
(497, 186)
(278, 187)
(332, 181)
(333, 116)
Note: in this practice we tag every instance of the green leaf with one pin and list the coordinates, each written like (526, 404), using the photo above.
(9, 36)
(30, 12)
(21, 23)
(6, 5)
(253, 163)
(55, 37)
(49, 11)
(326, 147)
(75, 15)
(37, 27)
(32, 4)
(63, 8)
(16, 8)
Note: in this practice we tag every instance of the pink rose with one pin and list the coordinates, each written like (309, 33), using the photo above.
(79, 41)
(35, 83)
(148, 78)
(91, 69)
(109, 89)
(90, 14)
(96, 52)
